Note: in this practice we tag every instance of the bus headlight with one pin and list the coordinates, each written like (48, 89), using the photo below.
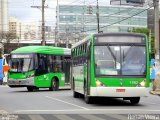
(142, 84)
(99, 84)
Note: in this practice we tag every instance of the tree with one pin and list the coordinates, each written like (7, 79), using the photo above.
(140, 30)
(6, 37)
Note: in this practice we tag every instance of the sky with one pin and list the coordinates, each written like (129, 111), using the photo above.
(23, 11)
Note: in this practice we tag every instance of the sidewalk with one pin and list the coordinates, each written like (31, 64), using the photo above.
(157, 90)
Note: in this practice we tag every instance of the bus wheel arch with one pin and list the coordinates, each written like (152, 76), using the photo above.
(54, 84)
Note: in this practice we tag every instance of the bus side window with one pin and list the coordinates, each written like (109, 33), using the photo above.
(42, 64)
(50, 63)
(36, 61)
(58, 64)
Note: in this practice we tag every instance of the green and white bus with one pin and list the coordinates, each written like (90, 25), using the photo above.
(37, 67)
(111, 65)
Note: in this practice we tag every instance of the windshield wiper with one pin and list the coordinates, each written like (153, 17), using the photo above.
(114, 57)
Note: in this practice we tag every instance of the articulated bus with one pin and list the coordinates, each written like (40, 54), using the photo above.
(37, 67)
(111, 65)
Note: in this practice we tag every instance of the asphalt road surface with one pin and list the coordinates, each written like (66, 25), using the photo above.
(60, 105)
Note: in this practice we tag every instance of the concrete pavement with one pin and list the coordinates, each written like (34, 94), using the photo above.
(156, 91)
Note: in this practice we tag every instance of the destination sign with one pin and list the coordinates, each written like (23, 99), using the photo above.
(21, 56)
(119, 39)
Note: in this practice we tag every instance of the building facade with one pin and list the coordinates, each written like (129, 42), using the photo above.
(15, 27)
(29, 31)
(82, 19)
(49, 32)
(4, 25)
(128, 2)
(151, 20)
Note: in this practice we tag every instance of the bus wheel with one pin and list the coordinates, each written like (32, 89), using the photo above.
(54, 85)
(75, 94)
(135, 100)
(30, 89)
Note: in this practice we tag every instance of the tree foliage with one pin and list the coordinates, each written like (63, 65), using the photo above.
(6, 38)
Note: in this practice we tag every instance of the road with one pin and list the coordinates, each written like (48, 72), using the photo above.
(62, 104)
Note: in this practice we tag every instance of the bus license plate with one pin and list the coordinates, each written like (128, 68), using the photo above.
(120, 90)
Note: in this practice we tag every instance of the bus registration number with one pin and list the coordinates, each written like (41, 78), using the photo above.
(120, 90)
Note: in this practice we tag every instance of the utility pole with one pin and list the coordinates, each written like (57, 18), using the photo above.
(57, 23)
(43, 22)
(67, 32)
(150, 38)
(98, 17)
(156, 27)
(55, 36)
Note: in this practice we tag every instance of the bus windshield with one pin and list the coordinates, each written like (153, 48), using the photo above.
(120, 60)
(21, 64)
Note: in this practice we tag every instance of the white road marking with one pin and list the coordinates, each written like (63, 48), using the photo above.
(63, 117)
(72, 110)
(119, 117)
(122, 110)
(67, 102)
(36, 117)
(4, 86)
(149, 103)
(91, 117)
(18, 111)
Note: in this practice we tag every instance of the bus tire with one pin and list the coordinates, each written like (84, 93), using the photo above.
(30, 88)
(75, 94)
(54, 85)
(135, 100)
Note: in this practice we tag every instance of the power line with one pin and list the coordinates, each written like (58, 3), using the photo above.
(122, 19)
(117, 21)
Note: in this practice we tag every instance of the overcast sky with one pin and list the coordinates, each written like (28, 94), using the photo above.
(23, 11)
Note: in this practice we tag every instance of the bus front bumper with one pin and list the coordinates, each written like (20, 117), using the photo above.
(119, 91)
(19, 83)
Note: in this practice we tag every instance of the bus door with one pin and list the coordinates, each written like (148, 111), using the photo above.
(66, 69)
(41, 71)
